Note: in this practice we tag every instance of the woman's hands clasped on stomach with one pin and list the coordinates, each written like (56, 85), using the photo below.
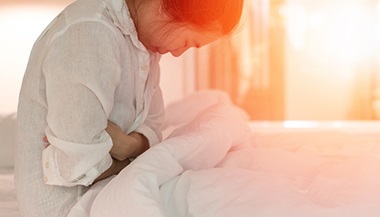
(124, 147)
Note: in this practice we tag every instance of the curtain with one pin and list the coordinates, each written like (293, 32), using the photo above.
(249, 64)
(300, 60)
(376, 66)
(366, 89)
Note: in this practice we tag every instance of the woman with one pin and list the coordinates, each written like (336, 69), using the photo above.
(92, 87)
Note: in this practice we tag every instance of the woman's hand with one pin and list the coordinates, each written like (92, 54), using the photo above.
(121, 143)
(115, 168)
(125, 146)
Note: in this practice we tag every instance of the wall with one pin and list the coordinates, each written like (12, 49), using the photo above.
(177, 76)
(21, 25)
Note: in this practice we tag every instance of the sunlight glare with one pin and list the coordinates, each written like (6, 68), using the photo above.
(295, 23)
(343, 32)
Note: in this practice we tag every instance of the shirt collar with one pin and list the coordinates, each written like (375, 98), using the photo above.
(121, 17)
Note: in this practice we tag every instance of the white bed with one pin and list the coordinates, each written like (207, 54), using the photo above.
(297, 168)
(8, 202)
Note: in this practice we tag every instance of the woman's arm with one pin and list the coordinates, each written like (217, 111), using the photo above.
(115, 168)
(126, 146)
(81, 75)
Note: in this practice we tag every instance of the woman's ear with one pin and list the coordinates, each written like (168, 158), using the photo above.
(160, 9)
(162, 14)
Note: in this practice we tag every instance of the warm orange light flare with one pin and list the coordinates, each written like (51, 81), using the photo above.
(345, 31)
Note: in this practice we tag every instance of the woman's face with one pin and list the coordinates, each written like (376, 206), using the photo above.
(175, 38)
(159, 33)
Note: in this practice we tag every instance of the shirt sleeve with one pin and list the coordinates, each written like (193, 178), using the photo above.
(151, 127)
(82, 71)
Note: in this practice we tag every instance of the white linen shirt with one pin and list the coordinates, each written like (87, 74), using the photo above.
(87, 67)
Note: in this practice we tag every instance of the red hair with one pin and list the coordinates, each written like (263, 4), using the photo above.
(207, 15)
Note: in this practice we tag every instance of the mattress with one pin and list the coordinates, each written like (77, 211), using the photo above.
(8, 201)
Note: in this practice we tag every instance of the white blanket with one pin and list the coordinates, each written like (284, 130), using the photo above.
(214, 166)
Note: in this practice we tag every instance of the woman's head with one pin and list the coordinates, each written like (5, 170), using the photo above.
(176, 25)
(205, 15)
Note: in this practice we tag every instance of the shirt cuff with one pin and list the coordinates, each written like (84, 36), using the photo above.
(52, 174)
(69, 164)
(152, 136)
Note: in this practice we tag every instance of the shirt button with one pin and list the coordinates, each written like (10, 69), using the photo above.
(45, 179)
(46, 165)
(144, 67)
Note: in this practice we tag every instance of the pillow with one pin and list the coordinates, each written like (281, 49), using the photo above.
(7, 140)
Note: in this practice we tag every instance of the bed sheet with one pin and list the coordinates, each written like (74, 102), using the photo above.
(8, 201)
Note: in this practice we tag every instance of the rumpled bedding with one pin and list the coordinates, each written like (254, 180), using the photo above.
(213, 165)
